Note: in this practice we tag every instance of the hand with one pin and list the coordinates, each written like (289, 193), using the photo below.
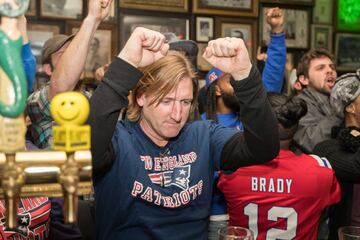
(261, 56)
(100, 72)
(99, 9)
(144, 47)
(275, 18)
(230, 56)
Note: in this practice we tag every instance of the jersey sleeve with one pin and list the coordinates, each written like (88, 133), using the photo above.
(334, 190)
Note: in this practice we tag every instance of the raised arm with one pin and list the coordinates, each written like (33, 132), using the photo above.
(143, 48)
(273, 74)
(28, 58)
(72, 62)
(260, 142)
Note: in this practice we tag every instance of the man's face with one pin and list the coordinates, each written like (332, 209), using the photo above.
(164, 120)
(322, 74)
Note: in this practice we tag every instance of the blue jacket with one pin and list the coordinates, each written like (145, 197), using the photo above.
(273, 74)
(29, 63)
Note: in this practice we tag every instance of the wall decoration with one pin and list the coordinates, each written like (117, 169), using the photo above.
(296, 28)
(179, 26)
(204, 29)
(321, 36)
(102, 47)
(241, 28)
(323, 11)
(158, 5)
(227, 7)
(66, 9)
(347, 51)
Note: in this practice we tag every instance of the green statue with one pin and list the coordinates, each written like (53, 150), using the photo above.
(10, 58)
(13, 89)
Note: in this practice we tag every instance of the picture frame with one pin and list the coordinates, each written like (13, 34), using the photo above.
(323, 11)
(178, 26)
(296, 26)
(321, 36)
(112, 17)
(289, 66)
(204, 29)
(202, 64)
(39, 33)
(246, 8)
(347, 51)
(157, 5)
(102, 47)
(66, 9)
(348, 17)
(31, 12)
(243, 28)
(291, 2)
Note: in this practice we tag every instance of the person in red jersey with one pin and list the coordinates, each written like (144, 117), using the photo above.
(33, 219)
(284, 198)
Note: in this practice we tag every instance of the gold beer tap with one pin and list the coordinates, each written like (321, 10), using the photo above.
(64, 171)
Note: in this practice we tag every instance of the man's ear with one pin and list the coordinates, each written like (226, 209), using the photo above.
(297, 86)
(217, 90)
(350, 108)
(141, 100)
(303, 80)
(47, 69)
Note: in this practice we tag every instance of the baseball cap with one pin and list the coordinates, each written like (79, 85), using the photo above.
(345, 91)
(53, 44)
(189, 47)
(213, 75)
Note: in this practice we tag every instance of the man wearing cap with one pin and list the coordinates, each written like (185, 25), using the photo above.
(223, 105)
(317, 74)
(342, 151)
(63, 60)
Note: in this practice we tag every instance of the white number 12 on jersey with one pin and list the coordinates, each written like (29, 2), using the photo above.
(251, 210)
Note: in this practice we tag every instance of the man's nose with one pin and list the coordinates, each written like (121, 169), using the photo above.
(176, 111)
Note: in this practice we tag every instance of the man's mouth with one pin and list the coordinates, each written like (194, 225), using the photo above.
(330, 82)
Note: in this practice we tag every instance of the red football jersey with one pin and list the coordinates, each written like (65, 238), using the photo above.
(33, 219)
(282, 199)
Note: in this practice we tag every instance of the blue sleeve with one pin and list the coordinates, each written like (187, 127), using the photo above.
(273, 74)
(59, 229)
(29, 63)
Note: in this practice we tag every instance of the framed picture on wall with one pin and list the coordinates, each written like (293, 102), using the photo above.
(66, 9)
(39, 33)
(240, 28)
(102, 47)
(32, 8)
(321, 36)
(296, 28)
(178, 26)
(347, 51)
(227, 7)
(113, 12)
(202, 64)
(292, 2)
(204, 29)
(158, 5)
(348, 17)
(323, 11)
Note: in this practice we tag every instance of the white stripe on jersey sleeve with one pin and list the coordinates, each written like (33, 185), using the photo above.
(322, 161)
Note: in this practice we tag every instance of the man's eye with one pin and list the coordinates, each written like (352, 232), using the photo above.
(166, 102)
(187, 102)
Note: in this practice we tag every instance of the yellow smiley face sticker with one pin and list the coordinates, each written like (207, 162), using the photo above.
(69, 108)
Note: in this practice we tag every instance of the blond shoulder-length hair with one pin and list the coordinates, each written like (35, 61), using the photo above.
(159, 79)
